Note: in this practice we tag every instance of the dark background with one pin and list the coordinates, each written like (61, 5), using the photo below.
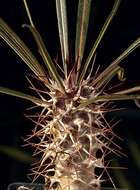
(124, 29)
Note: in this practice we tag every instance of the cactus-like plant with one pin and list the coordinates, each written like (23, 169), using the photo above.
(74, 136)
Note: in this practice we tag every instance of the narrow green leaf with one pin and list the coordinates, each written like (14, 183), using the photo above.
(63, 31)
(11, 38)
(23, 96)
(117, 70)
(28, 12)
(81, 30)
(123, 181)
(129, 90)
(43, 51)
(135, 152)
(46, 57)
(15, 153)
(114, 64)
(110, 97)
(99, 38)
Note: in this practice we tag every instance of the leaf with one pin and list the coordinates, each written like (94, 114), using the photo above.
(63, 31)
(121, 177)
(28, 12)
(129, 90)
(114, 64)
(117, 70)
(46, 57)
(135, 152)
(81, 30)
(110, 97)
(99, 38)
(11, 38)
(15, 153)
(23, 96)
(42, 49)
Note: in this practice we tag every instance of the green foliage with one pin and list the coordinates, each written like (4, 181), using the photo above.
(17, 154)
(67, 87)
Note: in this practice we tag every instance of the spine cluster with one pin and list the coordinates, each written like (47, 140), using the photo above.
(73, 143)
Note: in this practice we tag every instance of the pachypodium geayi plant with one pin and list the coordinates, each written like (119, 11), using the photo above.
(73, 134)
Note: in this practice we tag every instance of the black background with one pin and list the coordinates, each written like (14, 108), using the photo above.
(124, 29)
